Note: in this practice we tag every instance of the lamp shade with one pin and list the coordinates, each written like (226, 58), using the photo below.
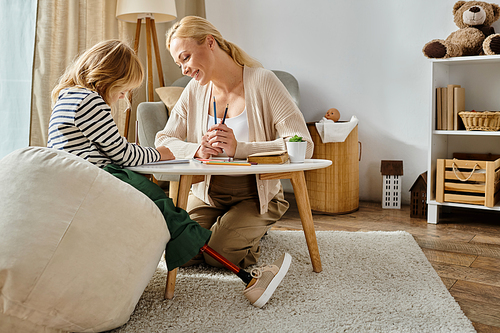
(130, 10)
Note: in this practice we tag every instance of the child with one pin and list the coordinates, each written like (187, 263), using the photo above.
(81, 123)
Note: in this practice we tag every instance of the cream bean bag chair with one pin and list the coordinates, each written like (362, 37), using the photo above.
(77, 245)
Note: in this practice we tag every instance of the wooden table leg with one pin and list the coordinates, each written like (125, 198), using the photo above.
(182, 199)
(173, 191)
(298, 181)
(185, 183)
(170, 287)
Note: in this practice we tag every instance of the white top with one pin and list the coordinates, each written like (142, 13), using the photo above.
(238, 124)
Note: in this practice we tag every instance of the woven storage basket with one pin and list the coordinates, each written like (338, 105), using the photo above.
(335, 189)
(481, 121)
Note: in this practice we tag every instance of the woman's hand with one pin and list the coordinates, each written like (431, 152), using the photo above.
(222, 137)
(165, 153)
(206, 150)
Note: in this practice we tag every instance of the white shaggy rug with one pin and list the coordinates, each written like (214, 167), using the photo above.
(371, 282)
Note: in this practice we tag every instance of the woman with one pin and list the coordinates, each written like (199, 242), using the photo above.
(261, 116)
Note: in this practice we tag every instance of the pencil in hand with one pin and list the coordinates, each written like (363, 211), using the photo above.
(215, 112)
(225, 114)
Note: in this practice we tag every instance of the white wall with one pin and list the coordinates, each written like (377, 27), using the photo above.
(362, 57)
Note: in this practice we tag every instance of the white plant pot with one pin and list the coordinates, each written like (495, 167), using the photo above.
(296, 151)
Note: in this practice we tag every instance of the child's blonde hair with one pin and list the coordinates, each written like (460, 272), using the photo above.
(107, 68)
(199, 28)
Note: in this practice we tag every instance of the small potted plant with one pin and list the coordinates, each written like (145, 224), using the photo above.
(296, 148)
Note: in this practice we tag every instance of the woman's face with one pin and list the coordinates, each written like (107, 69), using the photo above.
(195, 60)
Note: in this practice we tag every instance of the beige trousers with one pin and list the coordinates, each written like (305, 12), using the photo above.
(235, 220)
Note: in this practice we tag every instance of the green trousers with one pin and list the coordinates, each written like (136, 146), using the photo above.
(187, 237)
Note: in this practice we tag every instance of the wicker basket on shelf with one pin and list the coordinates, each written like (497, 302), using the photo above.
(481, 120)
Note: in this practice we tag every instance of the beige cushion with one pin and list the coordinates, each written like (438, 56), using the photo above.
(169, 96)
(77, 245)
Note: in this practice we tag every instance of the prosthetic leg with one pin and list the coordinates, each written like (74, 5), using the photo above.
(243, 275)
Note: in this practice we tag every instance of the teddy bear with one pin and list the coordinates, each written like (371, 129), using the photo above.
(476, 36)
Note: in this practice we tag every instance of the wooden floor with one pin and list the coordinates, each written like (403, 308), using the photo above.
(464, 249)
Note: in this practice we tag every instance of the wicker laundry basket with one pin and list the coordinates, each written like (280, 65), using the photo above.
(335, 189)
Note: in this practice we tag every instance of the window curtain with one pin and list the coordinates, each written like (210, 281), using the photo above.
(65, 28)
(17, 40)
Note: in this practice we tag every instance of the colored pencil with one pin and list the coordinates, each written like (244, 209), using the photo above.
(227, 163)
(215, 112)
(203, 160)
(225, 114)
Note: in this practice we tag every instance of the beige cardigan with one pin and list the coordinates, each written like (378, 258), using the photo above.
(272, 116)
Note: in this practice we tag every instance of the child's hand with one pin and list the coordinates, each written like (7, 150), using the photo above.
(165, 153)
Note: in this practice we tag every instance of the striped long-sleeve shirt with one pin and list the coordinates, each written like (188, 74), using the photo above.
(81, 124)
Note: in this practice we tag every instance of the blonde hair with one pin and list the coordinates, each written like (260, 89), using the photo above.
(198, 29)
(107, 68)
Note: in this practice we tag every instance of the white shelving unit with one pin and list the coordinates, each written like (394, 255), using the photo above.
(480, 76)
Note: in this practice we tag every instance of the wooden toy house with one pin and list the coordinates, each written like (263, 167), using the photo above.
(418, 202)
(392, 172)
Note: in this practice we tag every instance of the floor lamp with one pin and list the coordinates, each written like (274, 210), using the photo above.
(150, 12)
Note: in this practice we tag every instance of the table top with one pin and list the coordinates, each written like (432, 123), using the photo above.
(197, 168)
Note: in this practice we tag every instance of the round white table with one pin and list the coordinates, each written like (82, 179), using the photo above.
(197, 168)
(194, 172)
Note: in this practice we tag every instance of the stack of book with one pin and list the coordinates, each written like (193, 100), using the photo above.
(450, 100)
(272, 157)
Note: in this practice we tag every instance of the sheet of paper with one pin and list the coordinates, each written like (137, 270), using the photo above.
(169, 162)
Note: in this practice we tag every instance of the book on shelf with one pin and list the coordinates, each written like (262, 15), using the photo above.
(450, 100)
(439, 109)
(271, 157)
(458, 106)
(444, 108)
(451, 113)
